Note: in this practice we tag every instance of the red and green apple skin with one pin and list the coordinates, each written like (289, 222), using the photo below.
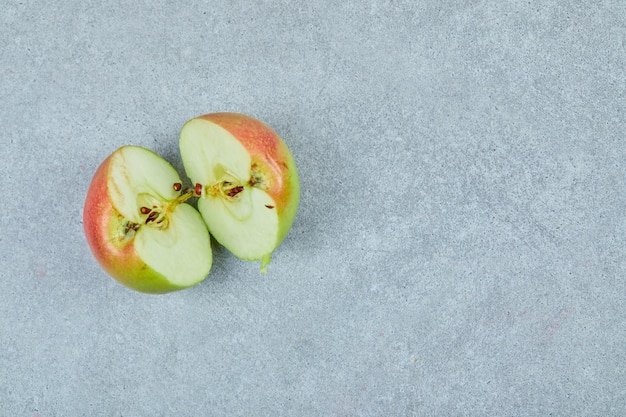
(248, 182)
(144, 256)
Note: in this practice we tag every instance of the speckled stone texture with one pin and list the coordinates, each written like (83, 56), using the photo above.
(460, 248)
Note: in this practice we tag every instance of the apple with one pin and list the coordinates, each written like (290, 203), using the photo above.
(246, 181)
(138, 228)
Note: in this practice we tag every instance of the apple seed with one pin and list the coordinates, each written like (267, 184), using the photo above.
(198, 189)
(177, 186)
(151, 217)
(144, 210)
(235, 190)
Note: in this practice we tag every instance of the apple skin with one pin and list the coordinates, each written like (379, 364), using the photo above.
(115, 251)
(270, 159)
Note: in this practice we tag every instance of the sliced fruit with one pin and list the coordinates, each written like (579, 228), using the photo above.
(246, 179)
(138, 227)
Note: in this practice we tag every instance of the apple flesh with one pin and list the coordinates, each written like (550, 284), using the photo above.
(246, 179)
(138, 228)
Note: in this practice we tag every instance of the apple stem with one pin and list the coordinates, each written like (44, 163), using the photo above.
(265, 261)
(186, 195)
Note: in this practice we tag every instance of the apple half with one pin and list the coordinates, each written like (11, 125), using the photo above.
(138, 228)
(246, 179)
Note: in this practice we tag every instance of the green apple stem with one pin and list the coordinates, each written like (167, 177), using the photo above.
(265, 261)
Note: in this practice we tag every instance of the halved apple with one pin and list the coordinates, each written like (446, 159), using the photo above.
(137, 227)
(246, 179)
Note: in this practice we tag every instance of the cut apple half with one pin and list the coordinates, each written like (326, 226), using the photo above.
(138, 226)
(246, 181)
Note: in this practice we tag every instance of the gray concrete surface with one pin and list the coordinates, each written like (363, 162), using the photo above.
(460, 245)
